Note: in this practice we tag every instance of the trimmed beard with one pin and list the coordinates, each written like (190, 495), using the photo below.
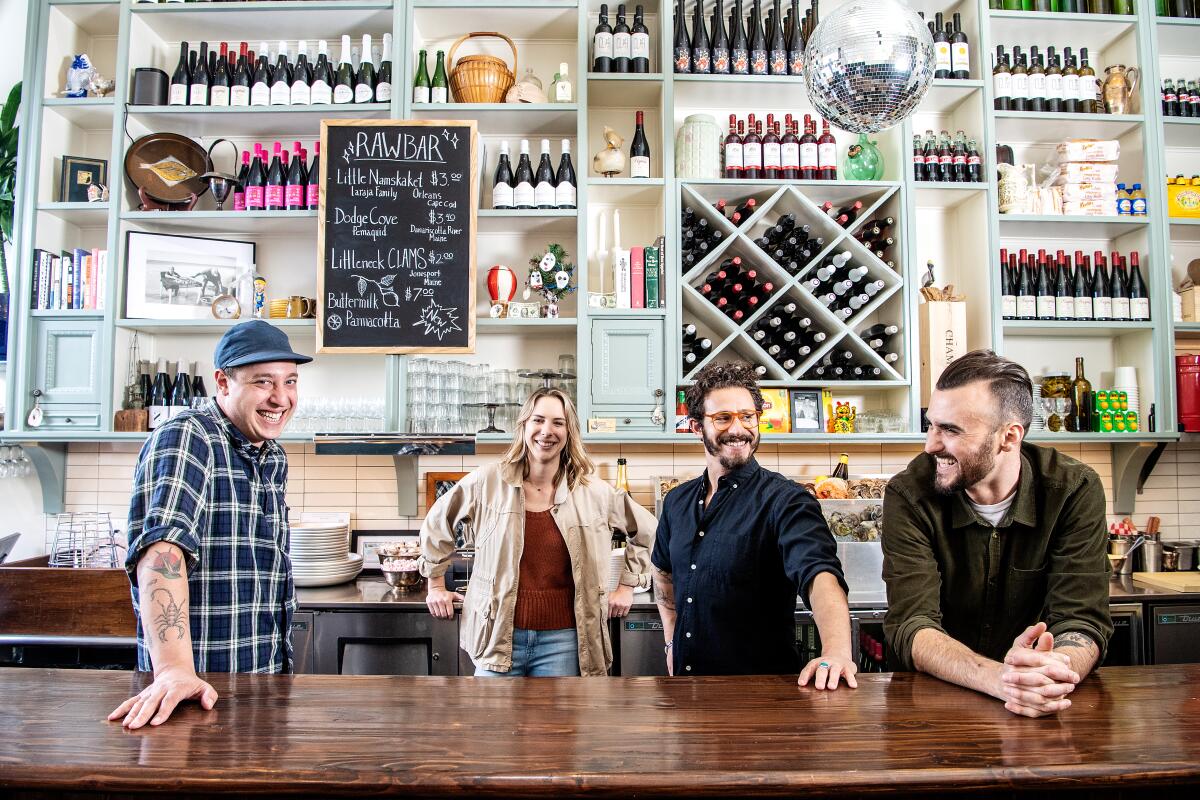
(971, 470)
(713, 446)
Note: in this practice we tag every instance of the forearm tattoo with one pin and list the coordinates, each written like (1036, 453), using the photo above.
(170, 616)
(664, 593)
(1074, 639)
(167, 564)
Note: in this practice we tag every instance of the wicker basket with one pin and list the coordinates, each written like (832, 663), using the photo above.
(481, 79)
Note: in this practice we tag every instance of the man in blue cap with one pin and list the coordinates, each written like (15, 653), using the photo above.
(208, 563)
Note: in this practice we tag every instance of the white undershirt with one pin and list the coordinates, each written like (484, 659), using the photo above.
(995, 512)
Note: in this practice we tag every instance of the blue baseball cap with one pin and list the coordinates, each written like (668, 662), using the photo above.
(254, 342)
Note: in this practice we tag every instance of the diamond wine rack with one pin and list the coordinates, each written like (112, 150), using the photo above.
(733, 340)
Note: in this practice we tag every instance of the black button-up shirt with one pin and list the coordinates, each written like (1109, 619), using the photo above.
(737, 567)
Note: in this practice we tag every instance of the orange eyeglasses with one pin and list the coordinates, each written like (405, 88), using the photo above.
(723, 420)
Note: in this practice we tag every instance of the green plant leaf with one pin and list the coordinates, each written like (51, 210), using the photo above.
(8, 116)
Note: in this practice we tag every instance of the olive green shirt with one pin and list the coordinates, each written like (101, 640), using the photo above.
(948, 569)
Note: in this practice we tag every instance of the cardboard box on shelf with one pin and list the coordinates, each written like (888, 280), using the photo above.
(1191, 304)
(777, 412)
(943, 338)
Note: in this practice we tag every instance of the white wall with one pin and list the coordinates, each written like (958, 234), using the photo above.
(21, 498)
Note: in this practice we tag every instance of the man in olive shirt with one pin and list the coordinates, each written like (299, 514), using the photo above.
(994, 549)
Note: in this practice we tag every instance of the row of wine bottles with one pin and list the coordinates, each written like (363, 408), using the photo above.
(735, 290)
(621, 48)
(774, 46)
(169, 393)
(1072, 6)
(1045, 287)
(695, 347)
(751, 153)
(225, 78)
(524, 188)
(284, 181)
(1035, 83)
(1180, 98)
(940, 158)
(787, 336)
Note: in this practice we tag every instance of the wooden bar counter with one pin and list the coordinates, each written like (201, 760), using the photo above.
(1131, 730)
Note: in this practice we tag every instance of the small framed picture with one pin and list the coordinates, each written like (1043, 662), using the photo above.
(177, 277)
(367, 544)
(438, 483)
(806, 411)
(78, 174)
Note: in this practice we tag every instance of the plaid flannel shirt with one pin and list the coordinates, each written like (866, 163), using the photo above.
(202, 486)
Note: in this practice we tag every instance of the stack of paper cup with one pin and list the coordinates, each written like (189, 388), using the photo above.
(1125, 380)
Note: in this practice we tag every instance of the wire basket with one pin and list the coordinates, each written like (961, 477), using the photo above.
(84, 539)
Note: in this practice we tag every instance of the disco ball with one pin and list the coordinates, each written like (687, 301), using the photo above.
(868, 64)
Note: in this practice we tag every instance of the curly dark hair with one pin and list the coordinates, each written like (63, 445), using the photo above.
(721, 376)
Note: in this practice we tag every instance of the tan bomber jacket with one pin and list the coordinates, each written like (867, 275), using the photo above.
(492, 510)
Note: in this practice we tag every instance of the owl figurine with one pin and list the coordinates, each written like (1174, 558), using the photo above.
(611, 160)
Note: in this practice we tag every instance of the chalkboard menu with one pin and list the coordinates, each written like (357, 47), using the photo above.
(397, 236)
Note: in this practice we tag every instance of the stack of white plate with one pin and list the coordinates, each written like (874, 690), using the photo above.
(320, 556)
(1125, 380)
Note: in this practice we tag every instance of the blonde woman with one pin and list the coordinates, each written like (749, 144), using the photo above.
(541, 524)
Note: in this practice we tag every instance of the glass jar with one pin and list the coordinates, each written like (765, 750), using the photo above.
(1056, 399)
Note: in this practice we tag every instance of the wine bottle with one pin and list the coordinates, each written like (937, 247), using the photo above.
(439, 90)
(301, 92)
(1089, 101)
(1036, 100)
(1008, 293)
(770, 149)
(1001, 81)
(383, 81)
(523, 194)
(273, 192)
(622, 42)
(320, 92)
(683, 43)
(504, 183)
(701, 47)
(602, 42)
(1101, 299)
(941, 49)
(421, 87)
(759, 63)
(364, 83)
(752, 163)
(789, 150)
(543, 188)
(639, 151)
(181, 391)
(239, 190)
(343, 82)
(1080, 420)
(260, 89)
(281, 79)
(809, 151)
(1026, 299)
(1139, 297)
(720, 41)
(1064, 298)
(295, 191)
(158, 403)
(826, 154)
(733, 150)
(739, 46)
(1070, 90)
(564, 180)
(198, 389)
(1020, 81)
(1081, 289)
(1118, 291)
(181, 79)
(639, 43)
(777, 54)
(960, 51)
(256, 182)
(1054, 82)
(198, 88)
(312, 192)
(795, 41)
(240, 80)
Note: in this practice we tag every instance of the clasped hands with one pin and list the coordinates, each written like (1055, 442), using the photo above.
(1035, 680)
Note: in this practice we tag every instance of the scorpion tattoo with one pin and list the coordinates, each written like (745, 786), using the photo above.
(170, 617)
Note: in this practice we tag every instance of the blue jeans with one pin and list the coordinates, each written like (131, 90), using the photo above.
(540, 654)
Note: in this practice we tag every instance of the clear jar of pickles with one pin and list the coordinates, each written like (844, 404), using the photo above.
(1056, 399)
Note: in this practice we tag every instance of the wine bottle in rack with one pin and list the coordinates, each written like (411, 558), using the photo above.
(701, 46)
(639, 43)
(565, 181)
(602, 42)
(720, 41)
(383, 80)
(777, 53)
(622, 42)
(343, 82)
(312, 192)
(759, 58)
(281, 78)
(739, 43)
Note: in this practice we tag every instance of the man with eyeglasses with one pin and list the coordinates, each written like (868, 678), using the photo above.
(208, 531)
(737, 544)
(994, 548)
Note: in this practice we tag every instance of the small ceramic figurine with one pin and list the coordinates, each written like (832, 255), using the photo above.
(611, 160)
(79, 75)
(99, 85)
(844, 416)
(260, 297)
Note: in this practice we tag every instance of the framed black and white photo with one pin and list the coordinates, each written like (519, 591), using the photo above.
(78, 174)
(806, 411)
(178, 277)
